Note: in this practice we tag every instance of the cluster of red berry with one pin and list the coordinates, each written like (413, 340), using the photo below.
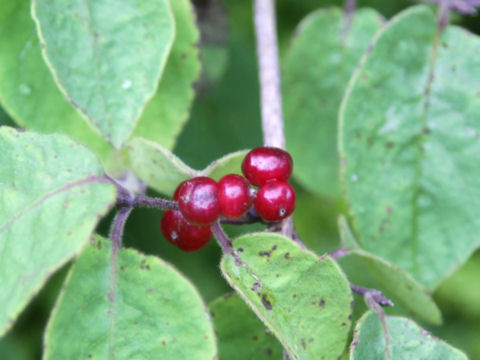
(202, 200)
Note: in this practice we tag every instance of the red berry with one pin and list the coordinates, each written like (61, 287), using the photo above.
(234, 196)
(180, 233)
(267, 163)
(198, 200)
(275, 200)
(177, 190)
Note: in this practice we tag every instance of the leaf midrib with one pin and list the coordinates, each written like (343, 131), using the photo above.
(418, 163)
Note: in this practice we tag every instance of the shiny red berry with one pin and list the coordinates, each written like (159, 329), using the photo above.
(234, 196)
(177, 190)
(198, 200)
(267, 163)
(275, 200)
(180, 233)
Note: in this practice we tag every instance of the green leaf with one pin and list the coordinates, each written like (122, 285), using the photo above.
(52, 194)
(163, 171)
(409, 145)
(167, 112)
(27, 89)
(157, 166)
(407, 341)
(316, 73)
(241, 335)
(229, 164)
(305, 300)
(398, 283)
(108, 67)
(141, 308)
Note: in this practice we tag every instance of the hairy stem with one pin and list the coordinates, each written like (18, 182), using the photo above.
(269, 73)
(339, 253)
(116, 231)
(126, 198)
(227, 248)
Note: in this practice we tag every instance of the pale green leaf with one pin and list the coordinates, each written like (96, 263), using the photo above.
(157, 166)
(168, 110)
(406, 341)
(241, 335)
(27, 89)
(163, 171)
(108, 66)
(303, 299)
(398, 283)
(141, 308)
(52, 194)
(229, 164)
(317, 67)
(409, 142)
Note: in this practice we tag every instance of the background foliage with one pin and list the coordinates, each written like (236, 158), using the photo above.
(225, 118)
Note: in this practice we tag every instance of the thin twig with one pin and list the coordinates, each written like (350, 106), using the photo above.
(117, 227)
(126, 198)
(349, 9)
(227, 248)
(373, 304)
(339, 253)
(374, 295)
(116, 234)
(269, 73)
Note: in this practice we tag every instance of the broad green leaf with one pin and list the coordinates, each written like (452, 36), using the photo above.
(303, 299)
(406, 341)
(27, 89)
(397, 282)
(241, 335)
(168, 110)
(52, 194)
(157, 166)
(108, 66)
(316, 72)
(229, 164)
(410, 124)
(141, 308)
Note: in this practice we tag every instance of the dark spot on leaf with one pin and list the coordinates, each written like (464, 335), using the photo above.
(69, 233)
(255, 338)
(122, 268)
(304, 344)
(269, 352)
(10, 321)
(89, 356)
(426, 131)
(350, 317)
(287, 255)
(389, 210)
(266, 303)
(343, 324)
(240, 250)
(164, 343)
(389, 144)
(294, 296)
(229, 295)
(268, 253)
(321, 303)
(256, 286)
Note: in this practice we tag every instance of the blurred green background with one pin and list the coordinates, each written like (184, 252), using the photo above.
(226, 117)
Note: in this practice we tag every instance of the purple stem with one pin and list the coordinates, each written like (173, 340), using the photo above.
(373, 294)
